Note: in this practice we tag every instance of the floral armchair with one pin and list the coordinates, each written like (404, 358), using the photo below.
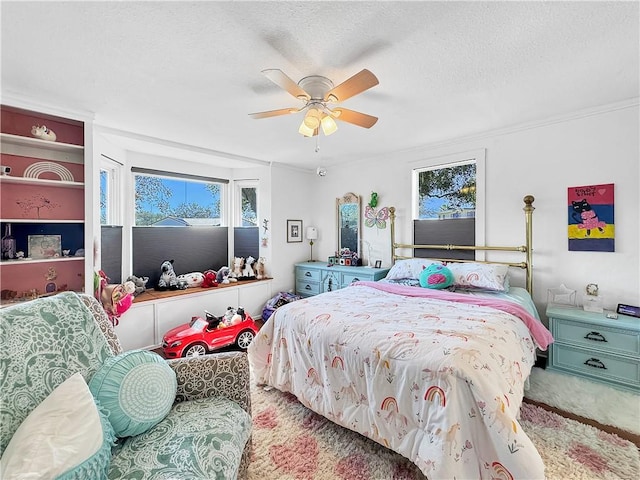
(205, 434)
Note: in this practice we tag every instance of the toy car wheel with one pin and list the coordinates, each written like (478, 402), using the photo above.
(195, 350)
(244, 339)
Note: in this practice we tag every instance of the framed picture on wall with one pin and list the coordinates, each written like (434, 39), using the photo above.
(294, 231)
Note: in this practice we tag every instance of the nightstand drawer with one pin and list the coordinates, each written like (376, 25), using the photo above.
(308, 275)
(596, 364)
(598, 337)
(307, 288)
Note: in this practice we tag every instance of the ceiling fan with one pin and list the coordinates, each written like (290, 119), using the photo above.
(318, 93)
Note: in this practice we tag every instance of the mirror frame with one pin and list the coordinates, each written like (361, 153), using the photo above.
(346, 199)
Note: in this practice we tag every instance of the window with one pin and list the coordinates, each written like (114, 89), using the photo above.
(447, 191)
(246, 240)
(448, 203)
(109, 184)
(246, 203)
(164, 201)
(180, 200)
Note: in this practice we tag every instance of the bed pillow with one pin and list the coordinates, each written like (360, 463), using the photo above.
(409, 268)
(484, 276)
(65, 437)
(137, 388)
(436, 276)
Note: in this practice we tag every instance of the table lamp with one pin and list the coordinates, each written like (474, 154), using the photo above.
(312, 234)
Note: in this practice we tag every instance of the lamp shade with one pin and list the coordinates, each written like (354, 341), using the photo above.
(328, 125)
(306, 131)
(312, 233)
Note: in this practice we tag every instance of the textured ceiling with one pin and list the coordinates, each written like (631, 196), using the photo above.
(189, 72)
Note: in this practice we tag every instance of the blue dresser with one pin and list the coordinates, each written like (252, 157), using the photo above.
(595, 347)
(313, 278)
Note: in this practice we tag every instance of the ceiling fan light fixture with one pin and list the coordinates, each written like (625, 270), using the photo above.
(329, 125)
(304, 130)
(312, 118)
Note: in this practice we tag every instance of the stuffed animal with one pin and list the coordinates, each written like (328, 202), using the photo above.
(43, 133)
(115, 298)
(260, 265)
(210, 279)
(238, 265)
(139, 282)
(436, 276)
(193, 279)
(247, 271)
(168, 278)
(223, 275)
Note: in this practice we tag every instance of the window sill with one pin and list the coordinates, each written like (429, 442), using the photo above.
(149, 295)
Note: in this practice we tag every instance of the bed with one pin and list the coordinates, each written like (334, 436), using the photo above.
(433, 374)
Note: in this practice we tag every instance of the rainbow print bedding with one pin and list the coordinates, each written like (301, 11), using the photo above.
(435, 376)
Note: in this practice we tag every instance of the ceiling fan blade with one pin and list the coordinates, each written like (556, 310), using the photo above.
(282, 80)
(360, 82)
(273, 113)
(356, 118)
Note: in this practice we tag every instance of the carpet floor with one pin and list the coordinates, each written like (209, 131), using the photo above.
(291, 442)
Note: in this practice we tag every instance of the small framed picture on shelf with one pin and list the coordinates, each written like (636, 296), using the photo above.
(378, 264)
(44, 246)
(294, 231)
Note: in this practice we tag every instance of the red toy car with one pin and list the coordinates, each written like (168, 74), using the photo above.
(204, 335)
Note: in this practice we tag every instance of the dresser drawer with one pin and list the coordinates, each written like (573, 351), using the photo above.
(308, 275)
(596, 364)
(349, 278)
(307, 288)
(602, 338)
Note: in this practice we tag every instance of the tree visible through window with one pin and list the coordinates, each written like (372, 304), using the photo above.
(447, 192)
(173, 201)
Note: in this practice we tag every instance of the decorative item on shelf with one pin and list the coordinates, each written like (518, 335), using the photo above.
(43, 133)
(265, 234)
(44, 246)
(561, 296)
(5, 170)
(332, 260)
(8, 244)
(36, 169)
(260, 268)
(312, 234)
(592, 302)
(348, 257)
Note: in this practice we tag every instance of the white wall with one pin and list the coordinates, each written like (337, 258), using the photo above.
(544, 160)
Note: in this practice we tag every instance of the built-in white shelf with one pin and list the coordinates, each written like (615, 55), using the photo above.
(36, 148)
(39, 260)
(40, 181)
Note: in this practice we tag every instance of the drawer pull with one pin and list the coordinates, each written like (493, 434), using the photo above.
(307, 274)
(307, 287)
(355, 280)
(595, 363)
(595, 336)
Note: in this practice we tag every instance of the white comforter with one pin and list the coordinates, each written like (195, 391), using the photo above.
(437, 381)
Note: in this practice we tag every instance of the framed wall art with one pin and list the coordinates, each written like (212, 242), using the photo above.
(44, 246)
(294, 231)
(591, 226)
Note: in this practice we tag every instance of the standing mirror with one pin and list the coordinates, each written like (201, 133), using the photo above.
(348, 217)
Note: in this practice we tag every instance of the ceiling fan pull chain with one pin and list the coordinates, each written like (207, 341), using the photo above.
(318, 142)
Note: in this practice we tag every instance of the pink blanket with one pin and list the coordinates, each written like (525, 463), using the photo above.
(541, 335)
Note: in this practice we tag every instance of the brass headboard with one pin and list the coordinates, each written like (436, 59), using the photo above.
(527, 249)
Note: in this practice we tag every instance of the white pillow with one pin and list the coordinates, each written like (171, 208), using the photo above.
(61, 433)
(409, 268)
(485, 276)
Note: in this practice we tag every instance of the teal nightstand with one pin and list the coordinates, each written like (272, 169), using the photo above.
(595, 347)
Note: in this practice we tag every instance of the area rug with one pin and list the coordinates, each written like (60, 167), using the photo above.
(291, 442)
